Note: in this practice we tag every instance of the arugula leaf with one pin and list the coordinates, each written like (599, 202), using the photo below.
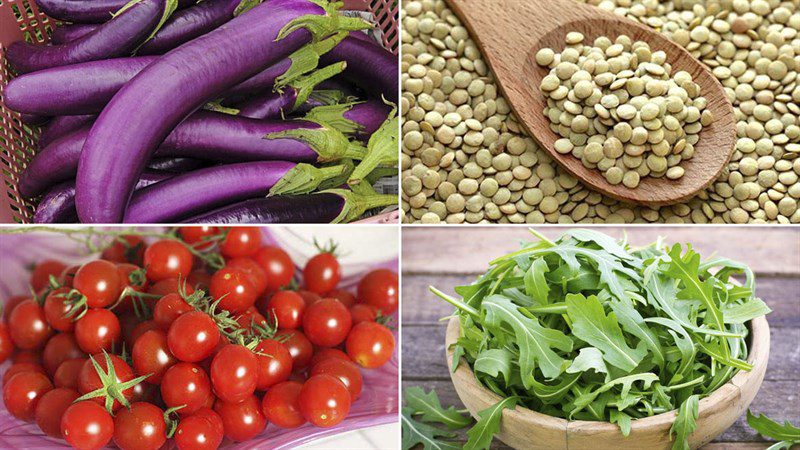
(494, 362)
(480, 435)
(744, 312)
(786, 433)
(685, 423)
(535, 283)
(626, 382)
(633, 323)
(589, 358)
(428, 405)
(605, 242)
(415, 433)
(623, 420)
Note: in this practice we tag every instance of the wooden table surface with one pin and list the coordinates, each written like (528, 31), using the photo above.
(447, 257)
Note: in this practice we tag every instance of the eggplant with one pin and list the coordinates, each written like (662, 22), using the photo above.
(369, 66)
(87, 11)
(61, 126)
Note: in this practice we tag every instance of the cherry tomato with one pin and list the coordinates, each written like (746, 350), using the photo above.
(249, 266)
(97, 330)
(250, 317)
(241, 241)
(144, 392)
(324, 400)
(12, 303)
(167, 259)
(186, 384)
(370, 344)
(6, 346)
(23, 391)
(40, 278)
(234, 373)
(274, 363)
(322, 273)
(281, 405)
(67, 276)
(201, 431)
(56, 308)
(99, 282)
(309, 297)
(151, 355)
(141, 427)
(345, 297)
(299, 347)
(138, 284)
(60, 348)
(28, 326)
(125, 249)
(169, 308)
(89, 380)
(347, 372)
(278, 266)
(329, 353)
(22, 367)
(87, 426)
(50, 409)
(171, 286)
(361, 312)
(234, 288)
(27, 356)
(140, 329)
(68, 372)
(198, 237)
(193, 336)
(286, 307)
(199, 279)
(327, 322)
(242, 421)
(379, 289)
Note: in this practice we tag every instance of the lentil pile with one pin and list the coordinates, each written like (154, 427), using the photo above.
(466, 160)
(618, 108)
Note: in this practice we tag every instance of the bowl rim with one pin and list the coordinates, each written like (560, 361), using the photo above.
(757, 356)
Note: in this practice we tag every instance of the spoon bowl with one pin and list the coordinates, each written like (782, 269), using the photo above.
(511, 32)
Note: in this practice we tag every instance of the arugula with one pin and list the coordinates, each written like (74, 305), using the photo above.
(427, 404)
(786, 434)
(480, 436)
(416, 432)
(685, 423)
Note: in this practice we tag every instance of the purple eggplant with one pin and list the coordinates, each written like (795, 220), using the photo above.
(332, 206)
(87, 11)
(117, 37)
(369, 65)
(205, 189)
(259, 83)
(143, 113)
(188, 24)
(61, 126)
(70, 32)
(70, 90)
(175, 165)
(361, 119)
(58, 205)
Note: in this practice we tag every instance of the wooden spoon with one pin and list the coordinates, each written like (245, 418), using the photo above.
(510, 32)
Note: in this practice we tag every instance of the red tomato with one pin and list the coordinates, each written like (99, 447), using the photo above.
(299, 347)
(193, 336)
(68, 276)
(23, 391)
(40, 278)
(327, 322)
(344, 297)
(144, 392)
(99, 282)
(12, 303)
(249, 266)
(186, 384)
(286, 307)
(68, 372)
(361, 312)
(281, 405)
(171, 286)
(199, 279)
(241, 241)
(125, 249)
(250, 317)
(28, 326)
(22, 367)
(278, 266)
(169, 308)
(139, 284)
(346, 371)
(141, 427)
(27, 356)
(97, 330)
(151, 355)
(89, 380)
(56, 308)
(201, 431)
(87, 426)
(234, 373)
(379, 289)
(60, 348)
(167, 259)
(274, 363)
(198, 237)
(242, 421)
(328, 353)
(309, 297)
(322, 273)
(6, 346)
(50, 409)
(324, 400)
(370, 344)
(140, 329)
(235, 289)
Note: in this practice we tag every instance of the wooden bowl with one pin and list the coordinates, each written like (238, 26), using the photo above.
(523, 428)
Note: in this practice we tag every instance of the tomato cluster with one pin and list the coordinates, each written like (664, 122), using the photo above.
(196, 337)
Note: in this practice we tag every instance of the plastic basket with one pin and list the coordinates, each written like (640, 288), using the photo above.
(21, 19)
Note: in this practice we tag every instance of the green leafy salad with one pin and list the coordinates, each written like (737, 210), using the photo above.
(588, 328)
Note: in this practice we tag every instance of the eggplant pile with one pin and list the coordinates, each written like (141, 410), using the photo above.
(221, 111)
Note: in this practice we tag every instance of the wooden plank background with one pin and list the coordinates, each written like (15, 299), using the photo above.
(451, 256)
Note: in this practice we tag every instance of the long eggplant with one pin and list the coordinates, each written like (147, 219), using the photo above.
(61, 126)
(87, 11)
(369, 65)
